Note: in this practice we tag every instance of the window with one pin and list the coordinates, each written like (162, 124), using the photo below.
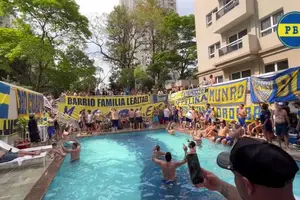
(209, 17)
(274, 67)
(219, 79)
(212, 49)
(269, 24)
(241, 74)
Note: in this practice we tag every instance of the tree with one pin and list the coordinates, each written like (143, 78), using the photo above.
(117, 37)
(181, 57)
(45, 48)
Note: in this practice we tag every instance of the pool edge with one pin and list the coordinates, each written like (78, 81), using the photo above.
(41, 186)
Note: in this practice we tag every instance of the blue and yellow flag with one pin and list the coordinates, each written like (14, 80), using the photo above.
(4, 100)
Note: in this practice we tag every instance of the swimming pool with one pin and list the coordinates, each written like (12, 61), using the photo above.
(114, 167)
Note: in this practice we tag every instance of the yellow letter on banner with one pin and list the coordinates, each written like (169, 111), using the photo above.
(283, 82)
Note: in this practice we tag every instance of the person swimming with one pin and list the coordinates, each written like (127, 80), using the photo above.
(158, 152)
(192, 147)
(169, 167)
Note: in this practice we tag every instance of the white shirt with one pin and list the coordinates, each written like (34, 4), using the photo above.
(188, 114)
(166, 112)
(89, 118)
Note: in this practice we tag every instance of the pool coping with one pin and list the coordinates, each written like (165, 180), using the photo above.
(296, 157)
(41, 186)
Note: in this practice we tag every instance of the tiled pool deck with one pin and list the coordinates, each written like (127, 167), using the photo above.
(31, 183)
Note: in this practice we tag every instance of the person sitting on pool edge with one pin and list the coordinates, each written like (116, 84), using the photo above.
(75, 151)
(222, 133)
(158, 152)
(169, 167)
(197, 137)
(236, 132)
(170, 127)
(255, 128)
(56, 151)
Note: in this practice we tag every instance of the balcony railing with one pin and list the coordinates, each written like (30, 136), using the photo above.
(226, 8)
(234, 46)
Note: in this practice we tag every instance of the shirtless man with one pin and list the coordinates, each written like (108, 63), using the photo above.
(131, 118)
(211, 131)
(254, 129)
(7, 156)
(222, 132)
(75, 151)
(115, 119)
(233, 135)
(168, 167)
(282, 124)
(158, 152)
(197, 137)
(242, 114)
(139, 118)
(170, 127)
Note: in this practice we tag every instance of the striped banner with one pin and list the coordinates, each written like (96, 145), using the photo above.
(4, 100)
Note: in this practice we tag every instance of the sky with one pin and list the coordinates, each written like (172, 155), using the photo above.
(98, 7)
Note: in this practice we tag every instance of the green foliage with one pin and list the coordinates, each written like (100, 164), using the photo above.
(44, 49)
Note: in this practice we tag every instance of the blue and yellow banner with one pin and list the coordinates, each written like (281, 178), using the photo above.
(229, 93)
(72, 111)
(29, 102)
(177, 95)
(108, 102)
(280, 87)
(4, 100)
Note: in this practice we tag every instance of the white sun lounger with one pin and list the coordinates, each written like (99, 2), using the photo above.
(25, 161)
(7, 147)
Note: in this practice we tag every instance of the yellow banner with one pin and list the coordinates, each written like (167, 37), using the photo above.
(177, 95)
(230, 113)
(71, 111)
(107, 102)
(228, 93)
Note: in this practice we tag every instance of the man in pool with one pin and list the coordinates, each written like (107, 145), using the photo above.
(75, 151)
(158, 152)
(7, 156)
(168, 167)
(255, 175)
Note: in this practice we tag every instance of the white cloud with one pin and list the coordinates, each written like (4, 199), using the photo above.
(97, 7)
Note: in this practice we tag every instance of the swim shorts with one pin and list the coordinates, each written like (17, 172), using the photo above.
(131, 119)
(166, 119)
(282, 129)
(51, 131)
(115, 123)
(9, 156)
(242, 121)
(166, 182)
(229, 139)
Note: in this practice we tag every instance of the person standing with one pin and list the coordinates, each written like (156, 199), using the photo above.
(139, 118)
(180, 116)
(282, 124)
(266, 121)
(33, 129)
(89, 121)
(242, 115)
(208, 113)
(166, 115)
(155, 116)
(131, 118)
(51, 128)
(115, 119)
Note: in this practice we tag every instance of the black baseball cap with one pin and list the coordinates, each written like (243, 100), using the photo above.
(260, 162)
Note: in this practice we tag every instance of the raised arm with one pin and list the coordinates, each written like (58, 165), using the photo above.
(178, 164)
(155, 160)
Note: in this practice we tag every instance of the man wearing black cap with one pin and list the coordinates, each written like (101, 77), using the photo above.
(262, 171)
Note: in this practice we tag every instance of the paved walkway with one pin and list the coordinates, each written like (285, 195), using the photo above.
(17, 183)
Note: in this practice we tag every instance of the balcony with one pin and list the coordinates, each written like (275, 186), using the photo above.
(231, 14)
(237, 52)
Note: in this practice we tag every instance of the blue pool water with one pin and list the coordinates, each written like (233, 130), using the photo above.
(117, 167)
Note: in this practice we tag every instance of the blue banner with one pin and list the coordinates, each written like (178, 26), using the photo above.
(280, 87)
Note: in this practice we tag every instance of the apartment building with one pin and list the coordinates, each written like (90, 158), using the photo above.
(131, 4)
(237, 38)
